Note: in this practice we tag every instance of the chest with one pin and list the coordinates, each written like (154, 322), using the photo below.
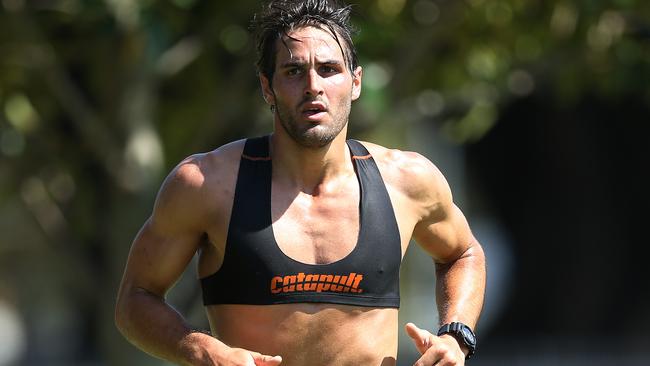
(337, 243)
(317, 229)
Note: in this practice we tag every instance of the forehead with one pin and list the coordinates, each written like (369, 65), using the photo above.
(307, 42)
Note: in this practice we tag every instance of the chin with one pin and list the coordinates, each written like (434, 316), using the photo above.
(313, 139)
(313, 143)
(311, 134)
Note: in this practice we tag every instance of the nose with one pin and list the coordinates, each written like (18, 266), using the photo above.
(313, 83)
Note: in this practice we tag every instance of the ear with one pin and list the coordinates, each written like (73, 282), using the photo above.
(267, 92)
(356, 82)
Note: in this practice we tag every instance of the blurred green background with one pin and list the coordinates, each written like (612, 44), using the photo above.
(536, 111)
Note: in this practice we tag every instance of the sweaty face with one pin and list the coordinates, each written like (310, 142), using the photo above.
(312, 87)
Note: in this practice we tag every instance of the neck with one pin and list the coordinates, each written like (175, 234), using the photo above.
(309, 169)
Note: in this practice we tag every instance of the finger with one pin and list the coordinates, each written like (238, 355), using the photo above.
(441, 354)
(428, 360)
(265, 360)
(421, 337)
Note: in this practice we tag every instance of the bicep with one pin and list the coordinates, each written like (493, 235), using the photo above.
(440, 227)
(446, 236)
(169, 239)
(158, 257)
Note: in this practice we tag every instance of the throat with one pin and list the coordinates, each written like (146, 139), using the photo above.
(313, 171)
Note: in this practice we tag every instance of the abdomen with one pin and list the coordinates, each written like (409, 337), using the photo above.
(310, 334)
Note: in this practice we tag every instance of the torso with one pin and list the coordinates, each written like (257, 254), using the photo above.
(310, 334)
(314, 229)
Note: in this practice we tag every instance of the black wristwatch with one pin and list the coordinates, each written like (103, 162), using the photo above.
(463, 334)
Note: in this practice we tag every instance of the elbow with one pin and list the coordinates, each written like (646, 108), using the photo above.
(476, 250)
(480, 254)
(122, 313)
(132, 308)
(120, 317)
(471, 256)
(475, 256)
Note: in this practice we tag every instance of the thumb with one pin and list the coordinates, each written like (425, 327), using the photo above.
(264, 360)
(421, 337)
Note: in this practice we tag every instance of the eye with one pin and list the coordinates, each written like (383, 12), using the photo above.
(294, 71)
(326, 69)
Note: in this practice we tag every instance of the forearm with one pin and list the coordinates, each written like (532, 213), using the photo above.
(460, 287)
(148, 322)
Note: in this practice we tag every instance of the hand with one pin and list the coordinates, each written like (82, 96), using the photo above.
(438, 351)
(242, 357)
(264, 360)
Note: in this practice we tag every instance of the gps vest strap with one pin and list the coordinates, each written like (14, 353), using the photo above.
(255, 270)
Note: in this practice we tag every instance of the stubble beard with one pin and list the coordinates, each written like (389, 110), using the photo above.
(313, 136)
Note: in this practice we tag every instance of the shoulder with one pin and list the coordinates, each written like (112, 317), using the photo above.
(413, 175)
(200, 182)
(197, 172)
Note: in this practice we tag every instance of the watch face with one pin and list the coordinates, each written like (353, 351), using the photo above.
(467, 334)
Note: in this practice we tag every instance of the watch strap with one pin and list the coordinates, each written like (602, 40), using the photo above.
(455, 329)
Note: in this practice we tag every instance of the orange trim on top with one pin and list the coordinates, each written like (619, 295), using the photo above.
(362, 157)
(267, 158)
(255, 158)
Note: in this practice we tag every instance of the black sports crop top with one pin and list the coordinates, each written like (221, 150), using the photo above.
(255, 271)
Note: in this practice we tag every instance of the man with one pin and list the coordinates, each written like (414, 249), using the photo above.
(301, 233)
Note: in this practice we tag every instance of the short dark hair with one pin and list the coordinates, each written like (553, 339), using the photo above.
(278, 17)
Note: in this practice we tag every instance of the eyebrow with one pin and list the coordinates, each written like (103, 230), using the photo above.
(293, 64)
(296, 63)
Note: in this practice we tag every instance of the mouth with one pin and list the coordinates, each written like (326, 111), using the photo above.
(314, 110)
